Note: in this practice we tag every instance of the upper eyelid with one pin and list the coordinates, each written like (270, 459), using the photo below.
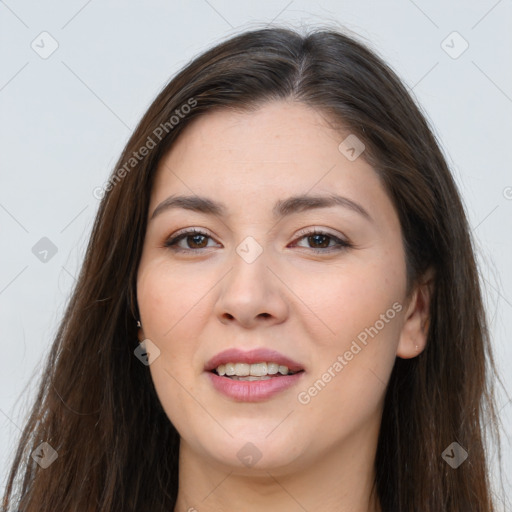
(300, 233)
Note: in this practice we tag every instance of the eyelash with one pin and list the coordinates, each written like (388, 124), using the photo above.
(341, 244)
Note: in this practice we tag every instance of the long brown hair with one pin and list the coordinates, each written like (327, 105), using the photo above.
(97, 406)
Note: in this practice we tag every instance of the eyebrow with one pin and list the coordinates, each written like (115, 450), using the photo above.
(282, 208)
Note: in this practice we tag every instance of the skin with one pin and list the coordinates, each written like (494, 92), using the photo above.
(307, 305)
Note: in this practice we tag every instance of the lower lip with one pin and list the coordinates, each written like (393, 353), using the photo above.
(255, 390)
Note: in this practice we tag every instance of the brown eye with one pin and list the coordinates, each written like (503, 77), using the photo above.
(194, 240)
(320, 241)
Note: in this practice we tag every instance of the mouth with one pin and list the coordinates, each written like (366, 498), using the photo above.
(252, 376)
(253, 372)
(256, 363)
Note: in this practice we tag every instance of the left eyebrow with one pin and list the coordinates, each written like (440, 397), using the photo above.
(282, 208)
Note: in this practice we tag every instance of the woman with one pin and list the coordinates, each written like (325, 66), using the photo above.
(284, 239)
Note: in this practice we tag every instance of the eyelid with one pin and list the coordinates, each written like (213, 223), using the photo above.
(191, 230)
(311, 230)
(304, 231)
(341, 242)
(183, 234)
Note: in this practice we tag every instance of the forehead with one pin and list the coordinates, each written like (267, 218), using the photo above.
(281, 149)
(277, 132)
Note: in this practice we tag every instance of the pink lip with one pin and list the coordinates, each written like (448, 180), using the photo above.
(253, 391)
(258, 355)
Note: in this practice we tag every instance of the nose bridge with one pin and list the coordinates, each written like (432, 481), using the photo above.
(249, 269)
(250, 290)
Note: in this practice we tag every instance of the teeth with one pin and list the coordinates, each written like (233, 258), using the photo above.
(242, 369)
(250, 377)
(252, 370)
(259, 369)
(230, 369)
(272, 368)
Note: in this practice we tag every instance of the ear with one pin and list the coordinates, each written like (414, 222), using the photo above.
(414, 334)
(140, 333)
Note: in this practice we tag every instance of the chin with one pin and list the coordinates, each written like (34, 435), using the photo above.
(252, 451)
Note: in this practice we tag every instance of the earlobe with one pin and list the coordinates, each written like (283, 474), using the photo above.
(414, 334)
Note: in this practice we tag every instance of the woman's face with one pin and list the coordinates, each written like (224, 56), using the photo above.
(256, 278)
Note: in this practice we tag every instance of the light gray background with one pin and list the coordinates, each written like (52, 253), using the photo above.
(65, 119)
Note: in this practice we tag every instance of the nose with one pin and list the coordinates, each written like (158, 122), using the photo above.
(251, 295)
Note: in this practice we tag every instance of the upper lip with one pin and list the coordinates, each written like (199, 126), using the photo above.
(258, 355)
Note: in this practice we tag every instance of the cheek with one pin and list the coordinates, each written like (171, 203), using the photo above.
(339, 303)
(171, 307)
(352, 365)
(164, 318)
(348, 383)
(167, 298)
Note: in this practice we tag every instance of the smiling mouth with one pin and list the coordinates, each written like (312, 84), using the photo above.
(253, 372)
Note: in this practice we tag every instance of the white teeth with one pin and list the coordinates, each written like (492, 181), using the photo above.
(251, 370)
(230, 369)
(251, 378)
(259, 369)
(283, 369)
(272, 368)
(242, 369)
